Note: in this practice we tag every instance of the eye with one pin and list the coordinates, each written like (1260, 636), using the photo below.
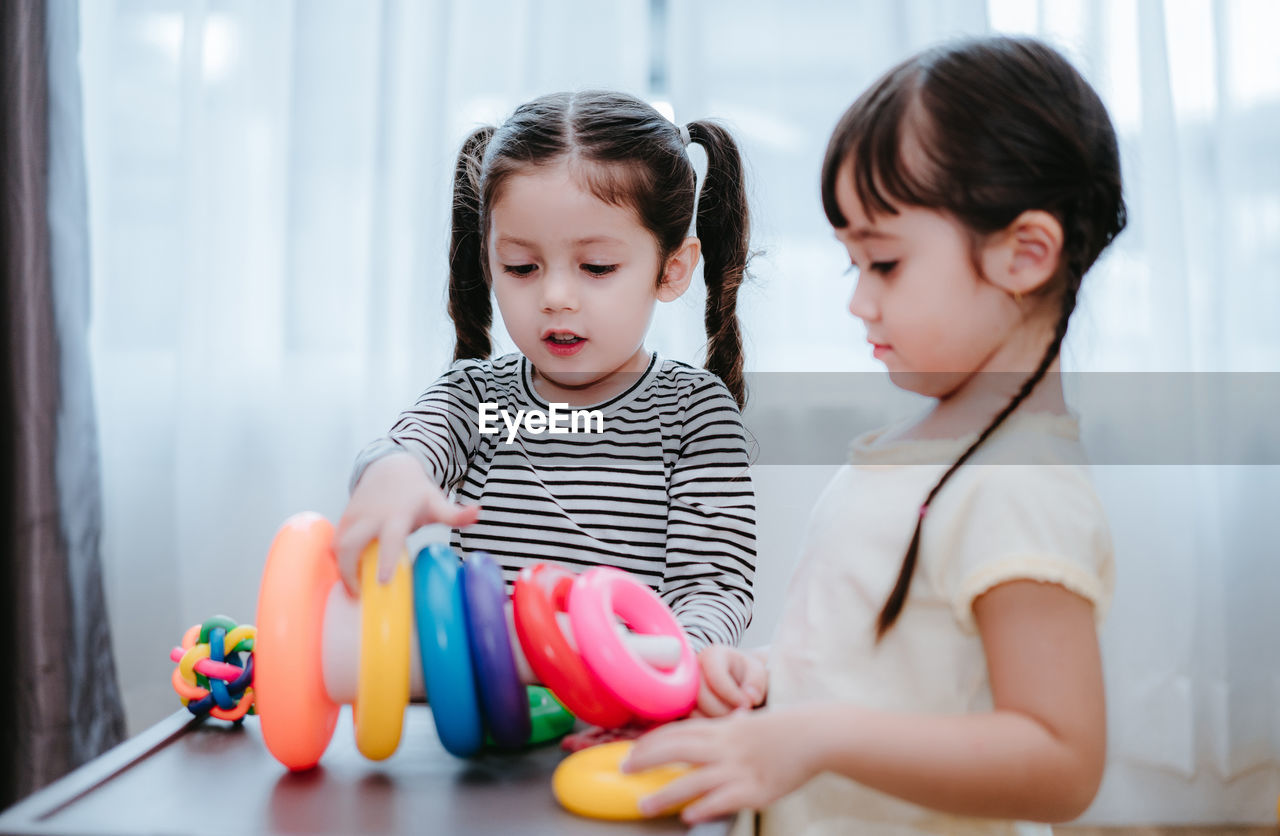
(884, 268)
(519, 269)
(599, 269)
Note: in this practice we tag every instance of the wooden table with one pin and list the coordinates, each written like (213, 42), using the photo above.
(188, 776)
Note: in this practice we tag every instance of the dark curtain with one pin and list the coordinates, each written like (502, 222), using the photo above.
(59, 701)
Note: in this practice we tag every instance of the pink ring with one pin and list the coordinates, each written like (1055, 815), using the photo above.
(652, 693)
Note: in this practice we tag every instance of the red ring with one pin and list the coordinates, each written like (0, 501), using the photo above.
(548, 651)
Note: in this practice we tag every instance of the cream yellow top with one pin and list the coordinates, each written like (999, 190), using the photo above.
(1022, 508)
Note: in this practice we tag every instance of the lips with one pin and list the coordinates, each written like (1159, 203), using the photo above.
(563, 343)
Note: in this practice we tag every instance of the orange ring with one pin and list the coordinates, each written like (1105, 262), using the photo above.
(297, 715)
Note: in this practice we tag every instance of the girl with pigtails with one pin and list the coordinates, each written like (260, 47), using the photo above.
(584, 448)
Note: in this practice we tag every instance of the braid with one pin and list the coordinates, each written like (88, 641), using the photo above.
(724, 229)
(469, 305)
(893, 606)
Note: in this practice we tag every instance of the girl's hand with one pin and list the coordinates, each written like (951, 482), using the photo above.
(746, 760)
(393, 498)
(731, 679)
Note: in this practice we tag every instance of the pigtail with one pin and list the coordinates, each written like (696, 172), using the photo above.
(723, 226)
(470, 307)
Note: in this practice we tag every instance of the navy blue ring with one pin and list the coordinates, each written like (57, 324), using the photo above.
(502, 695)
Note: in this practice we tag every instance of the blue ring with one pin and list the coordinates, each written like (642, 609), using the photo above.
(440, 613)
(502, 695)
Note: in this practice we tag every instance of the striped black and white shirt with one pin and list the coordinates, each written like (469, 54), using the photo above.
(662, 491)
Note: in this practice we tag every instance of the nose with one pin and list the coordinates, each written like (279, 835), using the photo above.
(863, 304)
(559, 290)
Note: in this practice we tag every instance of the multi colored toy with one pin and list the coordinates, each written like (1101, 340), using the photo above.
(444, 628)
(215, 669)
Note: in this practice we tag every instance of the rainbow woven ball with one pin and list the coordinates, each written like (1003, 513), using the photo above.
(214, 675)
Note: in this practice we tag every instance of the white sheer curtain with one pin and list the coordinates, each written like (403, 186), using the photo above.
(269, 191)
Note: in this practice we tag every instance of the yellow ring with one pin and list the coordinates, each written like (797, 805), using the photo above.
(382, 693)
(591, 783)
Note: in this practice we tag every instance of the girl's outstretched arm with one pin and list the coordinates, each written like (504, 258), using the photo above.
(1038, 755)
(400, 481)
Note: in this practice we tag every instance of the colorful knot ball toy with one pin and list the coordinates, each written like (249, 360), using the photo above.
(214, 675)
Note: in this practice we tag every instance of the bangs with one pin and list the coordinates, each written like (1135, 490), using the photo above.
(625, 185)
(634, 187)
(871, 134)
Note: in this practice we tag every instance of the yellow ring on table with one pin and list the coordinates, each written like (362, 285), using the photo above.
(591, 783)
(382, 692)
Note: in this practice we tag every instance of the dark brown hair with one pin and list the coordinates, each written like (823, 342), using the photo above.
(1004, 125)
(626, 154)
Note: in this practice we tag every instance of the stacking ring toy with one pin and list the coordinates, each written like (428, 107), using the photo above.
(502, 695)
(591, 783)
(316, 648)
(548, 651)
(655, 694)
(297, 714)
(445, 650)
(386, 617)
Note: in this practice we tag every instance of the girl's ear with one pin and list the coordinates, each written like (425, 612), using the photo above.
(1024, 256)
(678, 270)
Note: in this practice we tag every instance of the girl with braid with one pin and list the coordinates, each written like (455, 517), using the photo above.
(575, 214)
(936, 667)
